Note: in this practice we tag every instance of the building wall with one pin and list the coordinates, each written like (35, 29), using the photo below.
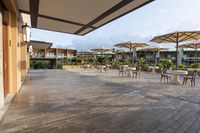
(1, 58)
(15, 61)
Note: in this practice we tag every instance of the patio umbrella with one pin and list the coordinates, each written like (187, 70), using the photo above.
(131, 45)
(177, 37)
(153, 49)
(193, 45)
(88, 53)
(102, 50)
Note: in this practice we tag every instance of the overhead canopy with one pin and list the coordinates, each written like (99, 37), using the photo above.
(40, 44)
(76, 16)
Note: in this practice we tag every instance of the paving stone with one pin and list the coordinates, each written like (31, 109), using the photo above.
(81, 101)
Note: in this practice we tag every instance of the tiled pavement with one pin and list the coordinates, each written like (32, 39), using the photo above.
(57, 101)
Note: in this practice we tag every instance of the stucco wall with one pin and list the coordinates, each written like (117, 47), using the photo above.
(1, 60)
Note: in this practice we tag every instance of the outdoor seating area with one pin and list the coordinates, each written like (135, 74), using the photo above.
(166, 75)
(169, 71)
(99, 66)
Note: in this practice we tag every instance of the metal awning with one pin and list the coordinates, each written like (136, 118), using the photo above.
(40, 44)
(76, 16)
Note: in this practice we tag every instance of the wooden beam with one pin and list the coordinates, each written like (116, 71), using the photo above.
(34, 7)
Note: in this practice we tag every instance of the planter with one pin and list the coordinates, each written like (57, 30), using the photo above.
(67, 67)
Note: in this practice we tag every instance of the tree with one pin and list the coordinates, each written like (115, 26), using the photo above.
(94, 59)
(81, 58)
(64, 60)
(167, 63)
(140, 61)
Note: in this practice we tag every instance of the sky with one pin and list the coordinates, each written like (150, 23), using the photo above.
(156, 18)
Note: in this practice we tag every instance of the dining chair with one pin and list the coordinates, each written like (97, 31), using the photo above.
(190, 76)
(107, 68)
(166, 76)
(121, 70)
(137, 72)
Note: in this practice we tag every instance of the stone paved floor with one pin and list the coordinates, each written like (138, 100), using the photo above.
(86, 101)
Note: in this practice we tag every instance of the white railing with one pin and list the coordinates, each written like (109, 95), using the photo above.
(191, 58)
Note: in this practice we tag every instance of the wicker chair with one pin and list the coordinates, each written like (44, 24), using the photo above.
(137, 72)
(191, 76)
(107, 68)
(121, 70)
(166, 76)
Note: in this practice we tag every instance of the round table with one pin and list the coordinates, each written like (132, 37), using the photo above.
(176, 75)
(101, 68)
(88, 66)
(193, 69)
(129, 70)
(153, 68)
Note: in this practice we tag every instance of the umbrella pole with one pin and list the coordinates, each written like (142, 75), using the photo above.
(130, 56)
(177, 51)
(155, 57)
(134, 55)
(196, 54)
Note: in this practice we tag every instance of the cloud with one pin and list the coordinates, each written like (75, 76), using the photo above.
(163, 11)
(106, 40)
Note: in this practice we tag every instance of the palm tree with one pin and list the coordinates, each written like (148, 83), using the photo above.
(81, 58)
(140, 61)
(94, 59)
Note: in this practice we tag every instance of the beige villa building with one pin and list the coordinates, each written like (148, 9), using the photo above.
(42, 51)
(14, 58)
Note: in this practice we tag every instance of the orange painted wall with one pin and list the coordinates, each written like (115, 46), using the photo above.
(16, 60)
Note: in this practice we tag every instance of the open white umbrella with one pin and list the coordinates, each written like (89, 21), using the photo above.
(131, 45)
(154, 49)
(177, 37)
(88, 53)
(194, 45)
(101, 50)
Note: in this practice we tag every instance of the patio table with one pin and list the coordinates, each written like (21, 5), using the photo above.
(130, 70)
(153, 68)
(101, 68)
(176, 75)
(108, 67)
(193, 69)
(88, 66)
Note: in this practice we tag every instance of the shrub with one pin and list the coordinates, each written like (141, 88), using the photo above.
(132, 65)
(145, 66)
(181, 66)
(167, 63)
(98, 63)
(40, 65)
(159, 65)
(140, 61)
(195, 65)
(87, 63)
